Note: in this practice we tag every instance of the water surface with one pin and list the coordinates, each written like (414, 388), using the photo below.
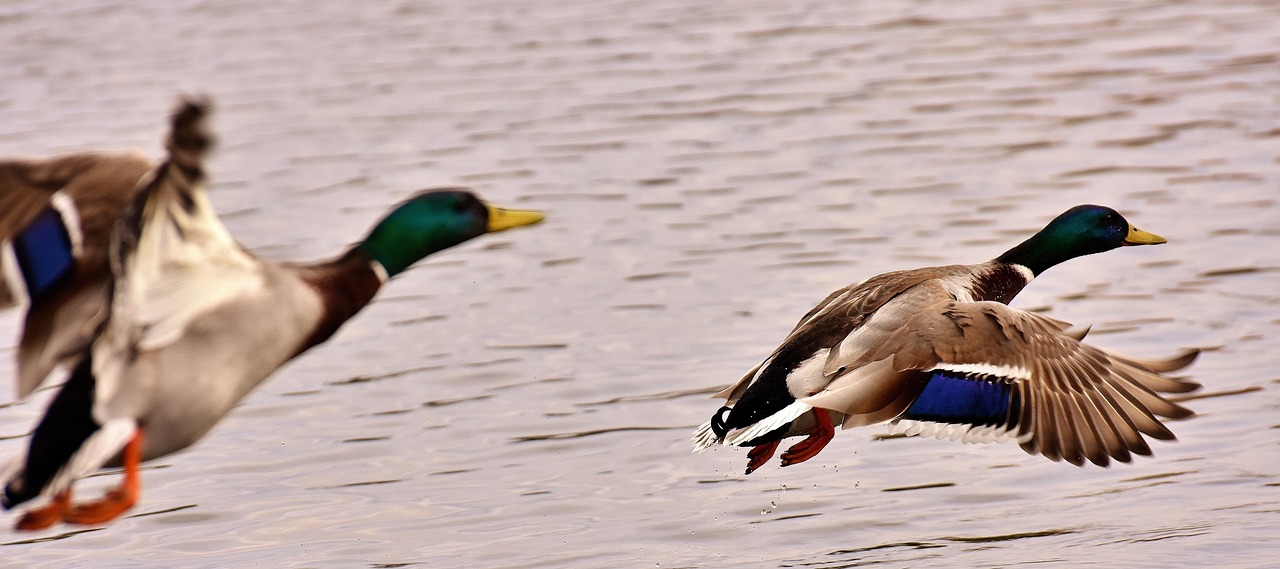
(710, 170)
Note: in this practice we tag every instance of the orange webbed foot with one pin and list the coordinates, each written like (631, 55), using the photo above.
(118, 500)
(109, 507)
(46, 515)
(760, 455)
(814, 443)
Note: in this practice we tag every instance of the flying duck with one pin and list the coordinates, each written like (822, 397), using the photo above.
(194, 322)
(937, 351)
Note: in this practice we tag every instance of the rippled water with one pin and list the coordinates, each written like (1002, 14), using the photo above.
(711, 171)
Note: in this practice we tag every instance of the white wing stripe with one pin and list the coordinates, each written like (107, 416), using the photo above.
(12, 276)
(955, 432)
(1012, 372)
(66, 209)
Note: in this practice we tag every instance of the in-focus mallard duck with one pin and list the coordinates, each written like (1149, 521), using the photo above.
(195, 322)
(937, 351)
(56, 217)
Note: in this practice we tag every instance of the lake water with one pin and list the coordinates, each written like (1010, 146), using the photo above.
(710, 171)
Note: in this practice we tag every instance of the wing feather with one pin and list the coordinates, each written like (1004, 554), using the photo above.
(898, 332)
(90, 190)
(1077, 402)
(172, 258)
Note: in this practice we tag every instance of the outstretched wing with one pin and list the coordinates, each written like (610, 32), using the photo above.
(172, 259)
(985, 371)
(56, 217)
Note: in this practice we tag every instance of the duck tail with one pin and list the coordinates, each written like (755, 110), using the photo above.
(718, 425)
(712, 432)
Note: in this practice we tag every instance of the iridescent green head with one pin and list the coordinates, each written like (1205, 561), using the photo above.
(435, 220)
(1081, 230)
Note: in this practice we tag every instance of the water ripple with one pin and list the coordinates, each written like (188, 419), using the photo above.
(710, 172)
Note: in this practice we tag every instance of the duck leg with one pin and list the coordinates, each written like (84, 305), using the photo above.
(822, 434)
(46, 515)
(760, 455)
(118, 500)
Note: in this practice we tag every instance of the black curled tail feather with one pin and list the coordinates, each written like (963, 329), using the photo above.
(717, 422)
(67, 424)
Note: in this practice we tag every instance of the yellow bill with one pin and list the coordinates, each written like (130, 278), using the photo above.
(1139, 237)
(501, 219)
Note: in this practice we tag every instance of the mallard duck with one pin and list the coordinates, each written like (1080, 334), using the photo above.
(56, 217)
(195, 322)
(937, 351)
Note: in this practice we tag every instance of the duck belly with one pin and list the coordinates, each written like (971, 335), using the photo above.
(178, 392)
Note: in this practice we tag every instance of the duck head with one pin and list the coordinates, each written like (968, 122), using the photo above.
(1081, 230)
(435, 220)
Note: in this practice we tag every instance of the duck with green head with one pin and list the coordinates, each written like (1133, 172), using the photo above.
(195, 322)
(937, 351)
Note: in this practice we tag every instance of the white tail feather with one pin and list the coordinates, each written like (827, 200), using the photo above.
(704, 438)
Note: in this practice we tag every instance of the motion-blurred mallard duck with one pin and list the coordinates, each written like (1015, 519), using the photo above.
(937, 351)
(56, 217)
(195, 322)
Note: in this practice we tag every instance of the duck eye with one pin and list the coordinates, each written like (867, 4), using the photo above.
(467, 202)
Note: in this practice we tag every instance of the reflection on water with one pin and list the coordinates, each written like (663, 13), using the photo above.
(711, 171)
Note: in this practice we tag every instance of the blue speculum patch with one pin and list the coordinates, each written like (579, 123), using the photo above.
(44, 252)
(951, 397)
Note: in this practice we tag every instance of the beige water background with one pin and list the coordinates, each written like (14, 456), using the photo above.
(710, 170)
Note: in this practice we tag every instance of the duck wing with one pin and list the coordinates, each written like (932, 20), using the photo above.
(984, 371)
(838, 316)
(173, 261)
(56, 217)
